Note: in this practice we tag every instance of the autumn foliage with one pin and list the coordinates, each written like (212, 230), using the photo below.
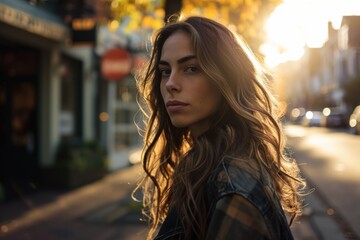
(247, 17)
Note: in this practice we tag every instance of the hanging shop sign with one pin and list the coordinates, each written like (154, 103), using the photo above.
(33, 24)
(83, 31)
(116, 64)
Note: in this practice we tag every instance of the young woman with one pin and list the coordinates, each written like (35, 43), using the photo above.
(213, 145)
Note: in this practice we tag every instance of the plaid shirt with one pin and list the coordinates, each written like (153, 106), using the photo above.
(235, 217)
(238, 208)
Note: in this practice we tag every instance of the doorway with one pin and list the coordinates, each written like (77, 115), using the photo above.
(18, 121)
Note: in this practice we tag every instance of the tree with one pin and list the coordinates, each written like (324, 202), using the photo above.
(247, 17)
(132, 15)
(172, 7)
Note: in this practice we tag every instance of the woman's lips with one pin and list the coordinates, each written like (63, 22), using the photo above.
(174, 106)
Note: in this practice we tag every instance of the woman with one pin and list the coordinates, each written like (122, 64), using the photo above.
(213, 146)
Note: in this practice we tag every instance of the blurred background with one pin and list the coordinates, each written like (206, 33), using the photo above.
(69, 146)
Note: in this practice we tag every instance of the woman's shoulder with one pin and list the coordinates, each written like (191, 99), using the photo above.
(236, 176)
(234, 173)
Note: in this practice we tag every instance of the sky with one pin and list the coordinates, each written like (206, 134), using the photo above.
(298, 23)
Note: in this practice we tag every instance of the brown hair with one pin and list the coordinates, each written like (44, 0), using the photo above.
(247, 127)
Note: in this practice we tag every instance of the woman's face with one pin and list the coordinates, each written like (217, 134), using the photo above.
(188, 94)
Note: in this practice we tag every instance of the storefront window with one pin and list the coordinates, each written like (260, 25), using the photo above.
(70, 108)
(126, 134)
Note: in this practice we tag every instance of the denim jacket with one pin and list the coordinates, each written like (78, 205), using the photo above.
(229, 179)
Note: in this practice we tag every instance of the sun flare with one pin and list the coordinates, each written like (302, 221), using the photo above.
(298, 23)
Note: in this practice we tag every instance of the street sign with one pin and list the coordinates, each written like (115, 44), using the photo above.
(116, 64)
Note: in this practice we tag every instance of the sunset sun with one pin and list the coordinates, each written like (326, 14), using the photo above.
(298, 23)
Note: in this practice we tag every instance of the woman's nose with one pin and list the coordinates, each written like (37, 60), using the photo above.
(173, 84)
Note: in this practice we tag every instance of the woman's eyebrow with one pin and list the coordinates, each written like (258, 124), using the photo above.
(181, 60)
(185, 59)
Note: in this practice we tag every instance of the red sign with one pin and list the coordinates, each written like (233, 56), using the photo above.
(116, 64)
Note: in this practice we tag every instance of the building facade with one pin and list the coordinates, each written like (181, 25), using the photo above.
(317, 80)
(47, 93)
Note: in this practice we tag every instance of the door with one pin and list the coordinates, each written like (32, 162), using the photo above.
(18, 127)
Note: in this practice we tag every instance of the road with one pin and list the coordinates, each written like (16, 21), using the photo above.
(330, 159)
(104, 210)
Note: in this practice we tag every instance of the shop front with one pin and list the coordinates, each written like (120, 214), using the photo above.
(30, 43)
(19, 94)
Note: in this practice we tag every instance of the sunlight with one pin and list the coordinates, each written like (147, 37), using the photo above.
(298, 23)
(285, 42)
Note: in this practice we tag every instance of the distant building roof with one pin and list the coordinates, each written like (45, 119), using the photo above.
(350, 20)
(353, 25)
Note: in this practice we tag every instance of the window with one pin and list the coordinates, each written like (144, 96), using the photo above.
(125, 132)
(71, 94)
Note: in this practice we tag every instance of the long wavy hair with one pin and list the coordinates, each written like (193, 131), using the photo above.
(246, 127)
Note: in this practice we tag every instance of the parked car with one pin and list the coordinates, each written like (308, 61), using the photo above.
(334, 118)
(312, 119)
(297, 115)
(354, 120)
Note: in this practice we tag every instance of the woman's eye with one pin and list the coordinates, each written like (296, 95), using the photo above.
(191, 69)
(165, 72)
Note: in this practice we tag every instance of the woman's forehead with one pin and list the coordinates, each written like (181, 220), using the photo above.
(177, 46)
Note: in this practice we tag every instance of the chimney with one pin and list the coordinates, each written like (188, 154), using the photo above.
(331, 31)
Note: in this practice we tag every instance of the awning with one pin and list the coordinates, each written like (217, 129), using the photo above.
(30, 18)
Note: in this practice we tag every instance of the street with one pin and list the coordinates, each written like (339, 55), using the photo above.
(330, 159)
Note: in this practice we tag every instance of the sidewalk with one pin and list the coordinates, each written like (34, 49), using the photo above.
(101, 210)
(104, 210)
(320, 221)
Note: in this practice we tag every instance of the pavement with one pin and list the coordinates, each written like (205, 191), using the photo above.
(104, 210)
(100, 210)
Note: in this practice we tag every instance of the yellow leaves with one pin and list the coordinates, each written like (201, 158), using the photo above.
(131, 15)
(247, 16)
(211, 11)
(158, 23)
(189, 9)
(147, 21)
(224, 13)
(113, 25)
(159, 12)
(131, 26)
(151, 22)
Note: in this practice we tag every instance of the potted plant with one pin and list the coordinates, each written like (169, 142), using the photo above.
(77, 164)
